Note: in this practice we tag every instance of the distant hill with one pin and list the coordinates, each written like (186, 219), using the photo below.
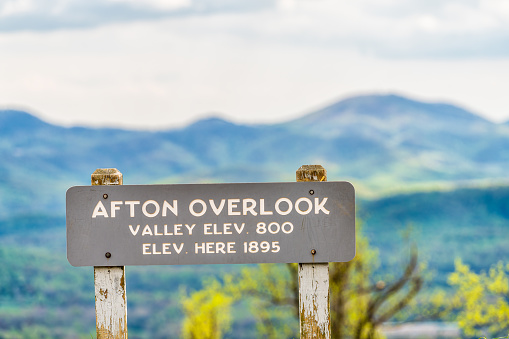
(468, 223)
(388, 116)
(382, 143)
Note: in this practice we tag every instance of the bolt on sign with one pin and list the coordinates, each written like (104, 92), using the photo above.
(302, 222)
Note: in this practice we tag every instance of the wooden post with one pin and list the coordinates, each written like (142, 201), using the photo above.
(110, 291)
(314, 309)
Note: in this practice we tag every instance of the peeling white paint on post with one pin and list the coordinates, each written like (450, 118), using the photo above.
(314, 309)
(110, 287)
(314, 300)
(110, 302)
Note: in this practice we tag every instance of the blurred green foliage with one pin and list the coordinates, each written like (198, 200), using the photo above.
(482, 299)
(359, 302)
(40, 291)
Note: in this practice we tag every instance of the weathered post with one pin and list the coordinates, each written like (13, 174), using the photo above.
(314, 310)
(110, 291)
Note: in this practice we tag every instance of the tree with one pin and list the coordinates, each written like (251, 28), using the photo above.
(359, 304)
(207, 312)
(481, 300)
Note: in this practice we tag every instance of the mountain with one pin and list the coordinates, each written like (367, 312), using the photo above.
(380, 136)
(467, 223)
(382, 143)
(388, 116)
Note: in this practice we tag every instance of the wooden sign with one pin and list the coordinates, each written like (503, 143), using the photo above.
(301, 222)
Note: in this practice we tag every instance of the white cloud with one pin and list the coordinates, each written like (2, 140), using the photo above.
(497, 9)
(397, 28)
(153, 75)
(258, 61)
(388, 28)
(44, 15)
(14, 7)
(164, 5)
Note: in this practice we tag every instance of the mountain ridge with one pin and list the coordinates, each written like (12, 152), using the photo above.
(387, 115)
(367, 104)
(42, 160)
(216, 118)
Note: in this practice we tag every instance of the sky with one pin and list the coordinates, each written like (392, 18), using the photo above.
(159, 64)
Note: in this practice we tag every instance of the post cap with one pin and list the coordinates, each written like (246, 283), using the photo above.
(106, 176)
(311, 173)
